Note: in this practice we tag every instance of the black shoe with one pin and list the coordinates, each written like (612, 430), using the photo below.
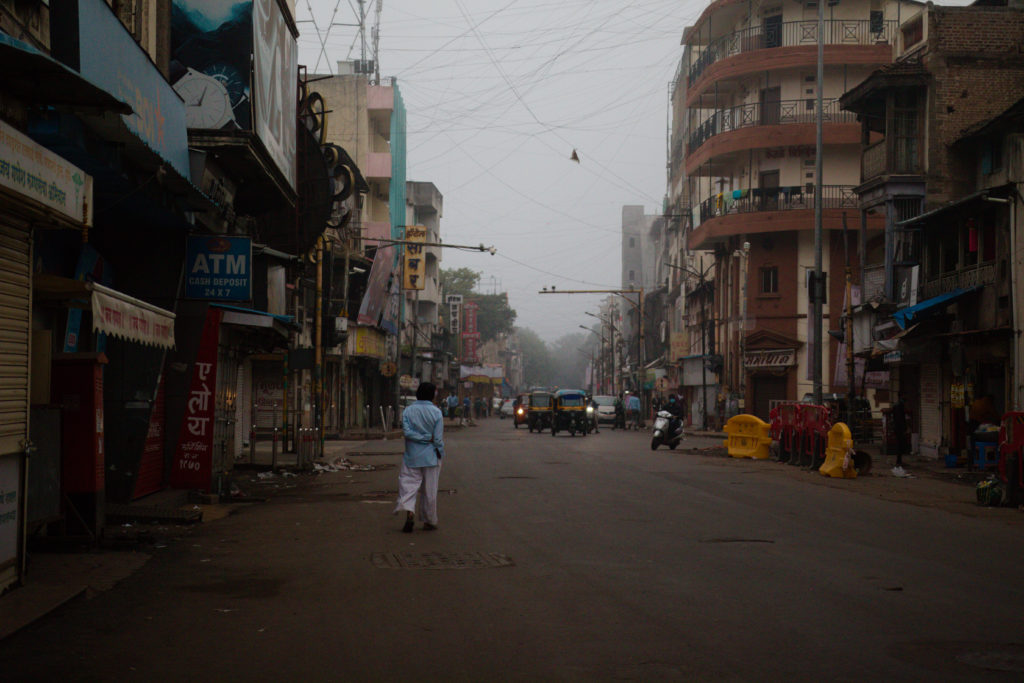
(427, 526)
(408, 525)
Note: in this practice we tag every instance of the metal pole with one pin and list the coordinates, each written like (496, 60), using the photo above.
(818, 290)
(318, 347)
(703, 354)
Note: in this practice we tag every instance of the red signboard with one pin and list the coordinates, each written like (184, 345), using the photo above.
(470, 334)
(193, 460)
(151, 467)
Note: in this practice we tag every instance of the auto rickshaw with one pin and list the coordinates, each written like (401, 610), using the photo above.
(570, 412)
(540, 411)
(521, 415)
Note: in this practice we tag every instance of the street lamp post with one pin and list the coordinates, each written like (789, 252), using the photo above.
(639, 305)
(600, 356)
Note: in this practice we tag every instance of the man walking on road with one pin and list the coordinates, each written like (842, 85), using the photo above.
(423, 426)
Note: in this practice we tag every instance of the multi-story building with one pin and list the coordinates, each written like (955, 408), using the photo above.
(742, 168)
(940, 163)
(424, 207)
(642, 248)
(367, 119)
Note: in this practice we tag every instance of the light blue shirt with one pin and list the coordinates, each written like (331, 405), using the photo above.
(633, 403)
(423, 425)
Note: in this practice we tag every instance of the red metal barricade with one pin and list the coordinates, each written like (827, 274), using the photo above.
(812, 426)
(1011, 454)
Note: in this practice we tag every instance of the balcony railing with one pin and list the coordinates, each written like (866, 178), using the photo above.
(766, 114)
(789, 34)
(787, 198)
(879, 158)
(961, 279)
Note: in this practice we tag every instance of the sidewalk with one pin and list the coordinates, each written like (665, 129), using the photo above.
(54, 578)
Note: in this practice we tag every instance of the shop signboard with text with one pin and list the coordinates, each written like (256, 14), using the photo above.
(219, 268)
(470, 334)
(415, 264)
(33, 171)
(193, 461)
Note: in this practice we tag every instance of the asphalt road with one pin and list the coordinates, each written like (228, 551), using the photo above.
(560, 558)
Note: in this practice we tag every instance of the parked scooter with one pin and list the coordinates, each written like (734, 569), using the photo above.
(662, 424)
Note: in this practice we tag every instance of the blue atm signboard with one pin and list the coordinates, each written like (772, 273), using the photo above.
(219, 268)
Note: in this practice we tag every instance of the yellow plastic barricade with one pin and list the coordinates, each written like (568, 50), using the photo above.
(749, 437)
(839, 453)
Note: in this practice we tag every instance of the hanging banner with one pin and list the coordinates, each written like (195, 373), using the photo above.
(376, 294)
(193, 460)
(415, 263)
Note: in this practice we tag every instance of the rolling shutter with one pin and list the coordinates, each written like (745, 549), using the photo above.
(15, 321)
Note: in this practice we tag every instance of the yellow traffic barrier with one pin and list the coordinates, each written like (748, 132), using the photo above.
(749, 437)
(839, 453)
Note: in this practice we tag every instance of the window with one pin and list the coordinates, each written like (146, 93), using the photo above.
(913, 33)
(877, 21)
(770, 280)
(991, 156)
(988, 241)
(632, 243)
(632, 276)
(950, 250)
(905, 126)
(969, 243)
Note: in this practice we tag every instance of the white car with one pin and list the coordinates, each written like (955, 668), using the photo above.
(605, 407)
(507, 406)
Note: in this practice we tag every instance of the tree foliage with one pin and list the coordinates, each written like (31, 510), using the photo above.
(538, 366)
(493, 316)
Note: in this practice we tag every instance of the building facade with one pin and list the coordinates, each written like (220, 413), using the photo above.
(940, 164)
(743, 183)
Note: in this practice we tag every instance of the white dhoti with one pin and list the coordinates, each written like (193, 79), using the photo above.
(422, 481)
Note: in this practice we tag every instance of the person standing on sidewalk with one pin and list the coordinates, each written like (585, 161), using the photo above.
(899, 426)
(423, 426)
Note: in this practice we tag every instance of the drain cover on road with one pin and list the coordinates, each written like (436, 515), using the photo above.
(441, 560)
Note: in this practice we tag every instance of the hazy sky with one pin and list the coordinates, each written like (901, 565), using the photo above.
(499, 93)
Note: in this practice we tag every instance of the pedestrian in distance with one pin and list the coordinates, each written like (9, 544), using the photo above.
(620, 413)
(423, 426)
(899, 426)
(633, 410)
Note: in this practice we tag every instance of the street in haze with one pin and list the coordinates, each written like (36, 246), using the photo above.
(562, 558)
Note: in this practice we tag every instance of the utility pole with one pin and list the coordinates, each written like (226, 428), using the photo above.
(818, 290)
(639, 306)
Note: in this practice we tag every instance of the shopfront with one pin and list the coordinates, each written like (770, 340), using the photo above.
(40, 188)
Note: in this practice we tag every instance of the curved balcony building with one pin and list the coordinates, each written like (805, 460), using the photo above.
(742, 176)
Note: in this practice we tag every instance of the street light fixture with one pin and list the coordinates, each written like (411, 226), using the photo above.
(637, 305)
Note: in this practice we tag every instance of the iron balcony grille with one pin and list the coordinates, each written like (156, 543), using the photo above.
(789, 34)
(785, 198)
(766, 114)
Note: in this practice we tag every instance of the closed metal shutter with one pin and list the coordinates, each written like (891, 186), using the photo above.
(243, 409)
(15, 321)
(931, 409)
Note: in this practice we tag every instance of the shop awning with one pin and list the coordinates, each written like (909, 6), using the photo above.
(126, 317)
(113, 312)
(250, 317)
(35, 77)
(911, 314)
